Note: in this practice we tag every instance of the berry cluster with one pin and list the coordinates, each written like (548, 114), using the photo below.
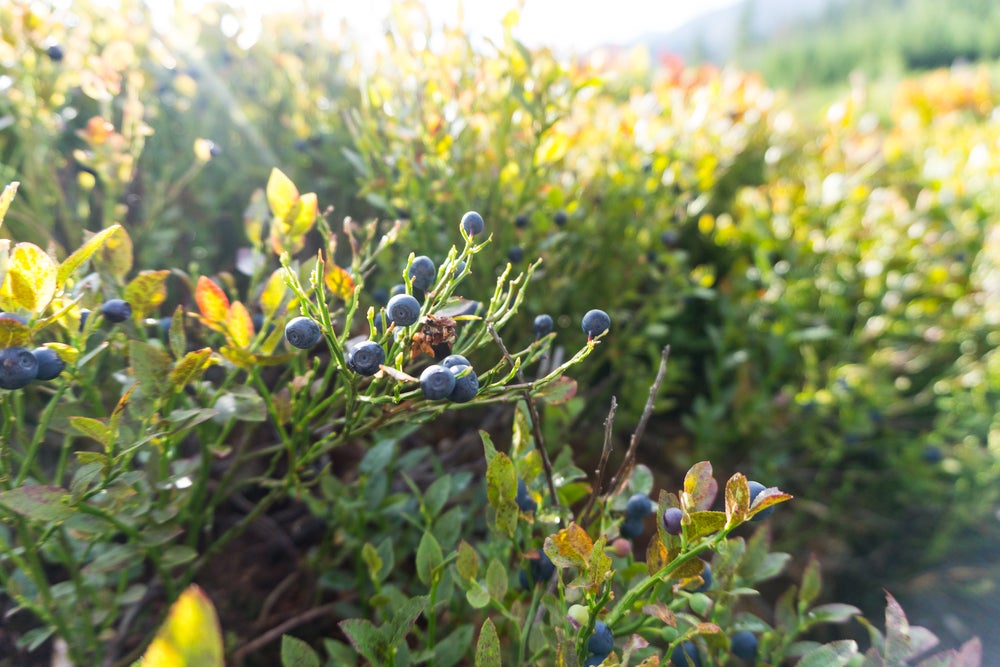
(453, 379)
(19, 366)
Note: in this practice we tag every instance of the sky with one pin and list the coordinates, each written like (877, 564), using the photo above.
(562, 24)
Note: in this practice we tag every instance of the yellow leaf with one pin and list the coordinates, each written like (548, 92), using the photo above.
(212, 302)
(190, 367)
(30, 282)
(6, 197)
(115, 254)
(239, 326)
(339, 282)
(84, 252)
(282, 195)
(273, 293)
(574, 543)
(13, 333)
(190, 637)
(147, 292)
(304, 215)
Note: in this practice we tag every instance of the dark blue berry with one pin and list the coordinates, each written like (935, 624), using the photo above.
(84, 315)
(437, 382)
(744, 645)
(466, 386)
(521, 221)
(365, 358)
(523, 499)
(473, 223)
(541, 569)
(18, 367)
(602, 641)
(55, 52)
(932, 454)
(543, 325)
(13, 316)
(669, 238)
(422, 272)
(50, 365)
(515, 254)
(381, 295)
(755, 489)
(686, 655)
(595, 659)
(455, 360)
(706, 577)
(560, 218)
(595, 322)
(639, 506)
(403, 310)
(302, 332)
(116, 310)
(672, 520)
(631, 528)
(398, 288)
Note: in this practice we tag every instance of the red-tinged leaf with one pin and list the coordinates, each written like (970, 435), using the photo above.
(282, 195)
(767, 498)
(701, 486)
(13, 333)
(39, 503)
(239, 325)
(190, 367)
(84, 253)
(737, 499)
(212, 302)
(339, 282)
(147, 292)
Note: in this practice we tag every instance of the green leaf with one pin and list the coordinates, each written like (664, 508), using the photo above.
(491, 451)
(373, 561)
(449, 651)
(177, 335)
(366, 639)
(835, 612)
(403, 619)
(700, 487)
(897, 633)
(379, 457)
(84, 252)
(190, 367)
(501, 489)
(437, 495)
(177, 555)
(834, 654)
(39, 503)
(467, 562)
(297, 653)
(488, 646)
(151, 366)
(496, 580)
(641, 479)
(113, 558)
(705, 523)
(32, 639)
(97, 429)
(477, 595)
(811, 584)
(558, 391)
(429, 558)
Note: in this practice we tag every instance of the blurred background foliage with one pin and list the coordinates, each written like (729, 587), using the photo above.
(828, 276)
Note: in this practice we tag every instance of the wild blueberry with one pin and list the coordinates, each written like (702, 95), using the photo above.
(524, 501)
(543, 325)
(755, 489)
(422, 272)
(116, 310)
(302, 332)
(403, 310)
(672, 520)
(84, 314)
(437, 382)
(515, 254)
(381, 295)
(13, 316)
(595, 659)
(55, 52)
(744, 645)
(595, 322)
(50, 365)
(521, 221)
(366, 357)
(631, 528)
(473, 223)
(669, 238)
(560, 218)
(164, 326)
(18, 367)
(466, 386)
(602, 641)
(455, 360)
(398, 288)
(541, 569)
(639, 506)
(707, 579)
(686, 655)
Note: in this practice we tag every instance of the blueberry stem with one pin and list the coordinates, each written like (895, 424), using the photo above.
(585, 513)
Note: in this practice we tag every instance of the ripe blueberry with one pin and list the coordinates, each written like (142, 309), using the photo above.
(515, 254)
(543, 325)
(455, 360)
(672, 520)
(116, 310)
(686, 655)
(523, 499)
(639, 506)
(302, 332)
(18, 367)
(437, 382)
(602, 641)
(541, 569)
(521, 221)
(422, 272)
(560, 218)
(381, 295)
(50, 365)
(706, 577)
(403, 310)
(55, 52)
(595, 659)
(595, 322)
(631, 528)
(366, 357)
(755, 489)
(473, 223)
(466, 386)
(744, 645)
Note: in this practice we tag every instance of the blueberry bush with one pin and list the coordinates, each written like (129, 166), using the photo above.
(240, 425)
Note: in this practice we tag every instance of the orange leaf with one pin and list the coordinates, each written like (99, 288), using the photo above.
(239, 325)
(212, 302)
(339, 282)
(574, 544)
